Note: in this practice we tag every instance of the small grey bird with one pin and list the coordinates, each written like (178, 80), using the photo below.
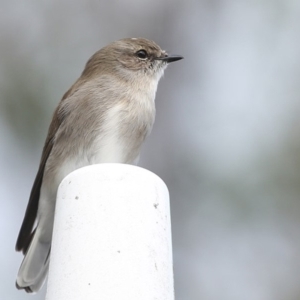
(103, 118)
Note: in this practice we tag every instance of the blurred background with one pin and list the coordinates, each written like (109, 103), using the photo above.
(226, 138)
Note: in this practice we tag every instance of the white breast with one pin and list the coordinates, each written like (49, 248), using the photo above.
(123, 131)
(108, 146)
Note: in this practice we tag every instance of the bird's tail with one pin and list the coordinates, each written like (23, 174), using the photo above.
(34, 268)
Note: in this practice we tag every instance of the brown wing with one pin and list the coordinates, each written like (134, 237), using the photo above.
(26, 233)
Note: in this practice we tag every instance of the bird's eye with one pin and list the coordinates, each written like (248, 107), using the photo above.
(142, 54)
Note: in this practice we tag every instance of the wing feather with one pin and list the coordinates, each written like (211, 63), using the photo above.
(26, 231)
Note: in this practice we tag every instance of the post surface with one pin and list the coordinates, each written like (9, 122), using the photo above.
(112, 236)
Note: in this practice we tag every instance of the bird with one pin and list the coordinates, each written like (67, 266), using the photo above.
(103, 118)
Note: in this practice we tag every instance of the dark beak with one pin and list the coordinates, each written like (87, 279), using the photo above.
(170, 58)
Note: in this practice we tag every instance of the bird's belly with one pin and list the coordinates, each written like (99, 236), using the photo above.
(120, 138)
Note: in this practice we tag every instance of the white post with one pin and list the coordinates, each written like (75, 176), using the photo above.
(112, 236)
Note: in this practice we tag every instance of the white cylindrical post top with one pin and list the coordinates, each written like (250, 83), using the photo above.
(112, 236)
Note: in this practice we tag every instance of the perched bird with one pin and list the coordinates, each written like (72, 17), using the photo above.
(103, 118)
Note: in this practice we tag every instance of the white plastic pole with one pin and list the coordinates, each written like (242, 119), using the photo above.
(112, 236)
